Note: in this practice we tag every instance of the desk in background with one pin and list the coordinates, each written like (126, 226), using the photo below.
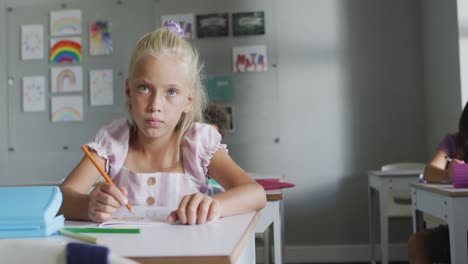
(272, 214)
(272, 218)
(447, 203)
(382, 182)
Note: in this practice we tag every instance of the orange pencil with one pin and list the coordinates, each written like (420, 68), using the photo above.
(103, 173)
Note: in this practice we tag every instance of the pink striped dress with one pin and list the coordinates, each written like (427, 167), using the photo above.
(162, 189)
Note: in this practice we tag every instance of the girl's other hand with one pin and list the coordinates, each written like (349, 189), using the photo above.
(196, 208)
(104, 200)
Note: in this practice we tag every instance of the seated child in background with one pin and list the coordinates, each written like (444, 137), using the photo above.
(215, 116)
(161, 156)
(432, 245)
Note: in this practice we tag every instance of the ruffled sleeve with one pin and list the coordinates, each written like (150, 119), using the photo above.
(449, 145)
(201, 141)
(111, 144)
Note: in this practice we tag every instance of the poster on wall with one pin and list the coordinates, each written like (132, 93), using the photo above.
(218, 88)
(212, 25)
(248, 23)
(34, 94)
(65, 23)
(101, 88)
(186, 21)
(100, 41)
(249, 58)
(66, 108)
(66, 79)
(32, 42)
(65, 50)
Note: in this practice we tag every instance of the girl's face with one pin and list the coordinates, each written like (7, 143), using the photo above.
(158, 92)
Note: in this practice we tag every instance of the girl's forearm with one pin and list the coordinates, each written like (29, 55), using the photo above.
(433, 174)
(74, 205)
(242, 199)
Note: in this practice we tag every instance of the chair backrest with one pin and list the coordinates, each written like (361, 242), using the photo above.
(403, 166)
(399, 203)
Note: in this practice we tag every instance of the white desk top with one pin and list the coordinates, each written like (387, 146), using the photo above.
(444, 189)
(394, 173)
(217, 242)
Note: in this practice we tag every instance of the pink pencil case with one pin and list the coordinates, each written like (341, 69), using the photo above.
(460, 175)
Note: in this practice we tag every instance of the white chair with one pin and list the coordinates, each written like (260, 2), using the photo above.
(399, 202)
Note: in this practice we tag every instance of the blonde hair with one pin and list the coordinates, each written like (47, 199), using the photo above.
(165, 42)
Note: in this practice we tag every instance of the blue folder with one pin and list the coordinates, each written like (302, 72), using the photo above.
(30, 211)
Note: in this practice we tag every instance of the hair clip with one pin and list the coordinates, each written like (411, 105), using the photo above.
(174, 27)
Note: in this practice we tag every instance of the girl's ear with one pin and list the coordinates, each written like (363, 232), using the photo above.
(127, 90)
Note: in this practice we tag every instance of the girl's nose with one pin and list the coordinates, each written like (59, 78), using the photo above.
(155, 103)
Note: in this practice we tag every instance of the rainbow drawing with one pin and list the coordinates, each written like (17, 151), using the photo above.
(100, 42)
(63, 75)
(66, 79)
(65, 22)
(67, 109)
(65, 50)
(66, 114)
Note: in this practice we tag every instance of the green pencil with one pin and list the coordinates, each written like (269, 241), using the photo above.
(78, 236)
(104, 230)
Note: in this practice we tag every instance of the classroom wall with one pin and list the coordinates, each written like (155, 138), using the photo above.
(2, 92)
(462, 15)
(37, 151)
(352, 96)
(351, 99)
(441, 70)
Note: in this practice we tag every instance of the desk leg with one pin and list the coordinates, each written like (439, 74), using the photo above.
(267, 245)
(418, 220)
(457, 230)
(248, 254)
(372, 226)
(458, 238)
(278, 233)
(383, 204)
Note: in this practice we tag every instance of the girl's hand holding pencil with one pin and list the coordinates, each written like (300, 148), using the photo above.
(105, 198)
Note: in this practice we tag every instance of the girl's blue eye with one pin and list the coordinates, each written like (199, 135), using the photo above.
(171, 92)
(143, 88)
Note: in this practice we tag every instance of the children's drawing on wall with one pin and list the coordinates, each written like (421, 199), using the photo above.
(229, 112)
(34, 94)
(66, 79)
(248, 23)
(212, 25)
(100, 41)
(101, 90)
(249, 58)
(66, 108)
(65, 23)
(32, 42)
(186, 21)
(65, 50)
